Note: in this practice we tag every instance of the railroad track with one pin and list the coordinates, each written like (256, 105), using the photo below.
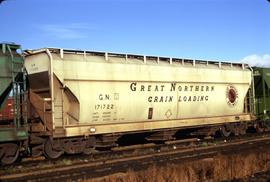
(120, 159)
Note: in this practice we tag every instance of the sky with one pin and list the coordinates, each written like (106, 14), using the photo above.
(219, 30)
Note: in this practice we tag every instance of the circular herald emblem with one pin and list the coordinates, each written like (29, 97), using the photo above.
(231, 95)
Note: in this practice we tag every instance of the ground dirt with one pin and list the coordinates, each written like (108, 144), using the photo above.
(219, 168)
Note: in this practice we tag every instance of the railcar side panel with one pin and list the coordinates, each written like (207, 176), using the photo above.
(125, 94)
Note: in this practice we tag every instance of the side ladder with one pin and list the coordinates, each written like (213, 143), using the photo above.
(251, 97)
(19, 90)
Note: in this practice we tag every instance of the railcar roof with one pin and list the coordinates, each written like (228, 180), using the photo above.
(144, 58)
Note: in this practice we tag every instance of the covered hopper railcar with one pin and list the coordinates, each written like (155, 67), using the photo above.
(85, 99)
(73, 101)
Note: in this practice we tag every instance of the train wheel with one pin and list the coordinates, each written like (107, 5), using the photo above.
(10, 154)
(50, 150)
(225, 132)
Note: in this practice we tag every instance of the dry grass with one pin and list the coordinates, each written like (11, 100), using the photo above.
(209, 170)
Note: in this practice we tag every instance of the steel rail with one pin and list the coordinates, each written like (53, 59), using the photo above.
(121, 158)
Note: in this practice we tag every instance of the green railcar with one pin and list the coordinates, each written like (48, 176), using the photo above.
(262, 92)
(13, 132)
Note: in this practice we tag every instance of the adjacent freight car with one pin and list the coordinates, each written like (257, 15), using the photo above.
(87, 99)
(262, 90)
(13, 110)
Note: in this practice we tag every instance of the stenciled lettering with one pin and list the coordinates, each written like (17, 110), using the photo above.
(187, 92)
